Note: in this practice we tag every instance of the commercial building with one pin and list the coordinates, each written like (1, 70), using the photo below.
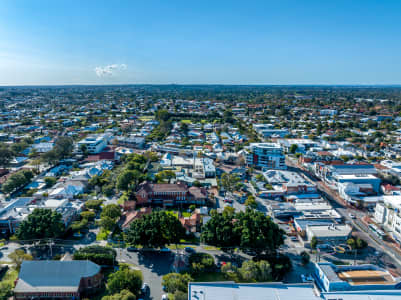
(268, 130)
(279, 291)
(265, 155)
(332, 234)
(333, 278)
(289, 182)
(388, 214)
(229, 290)
(52, 279)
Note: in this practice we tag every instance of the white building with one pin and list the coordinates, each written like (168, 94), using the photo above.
(388, 214)
(265, 155)
(94, 143)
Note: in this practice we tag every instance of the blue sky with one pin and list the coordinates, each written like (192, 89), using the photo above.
(184, 42)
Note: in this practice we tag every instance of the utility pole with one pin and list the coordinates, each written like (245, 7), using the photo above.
(51, 249)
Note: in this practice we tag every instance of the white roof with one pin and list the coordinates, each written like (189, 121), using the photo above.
(250, 291)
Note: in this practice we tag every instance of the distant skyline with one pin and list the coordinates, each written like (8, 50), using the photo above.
(200, 42)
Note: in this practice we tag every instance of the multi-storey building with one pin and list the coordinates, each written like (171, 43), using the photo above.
(166, 194)
(94, 143)
(265, 156)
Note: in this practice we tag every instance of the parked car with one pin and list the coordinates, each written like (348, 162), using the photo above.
(189, 250)
(132, 249)
(145, 288)
(164, 297)
(352, 216)
(165, 250)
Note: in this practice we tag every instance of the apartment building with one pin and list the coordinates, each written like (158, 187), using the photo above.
(265, 156)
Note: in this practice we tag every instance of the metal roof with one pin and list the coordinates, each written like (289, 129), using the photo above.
(54, 276)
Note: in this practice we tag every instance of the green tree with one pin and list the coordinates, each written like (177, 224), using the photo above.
(50, 181)
(313, 242)
(251, 202)
(18, 256)
(63, 147)
(89, 215)
(360, 243)
(176, 282)
(6, 289)
(93, 204)
(219, 231)
(97, 254)
(201, 262)
(257, 231)
(5, 155)
(155, 230)
(17, 180)
(293, 148)
(305, 257)
(112, 211)
(41, 223)
(129, 179)
(107, 223)
(164, 176)
(229, 182)
(255, 271)
(125, 279)
(123, 295)
(179, 295)
(351, 243)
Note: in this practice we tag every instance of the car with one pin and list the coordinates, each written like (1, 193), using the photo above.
(132, 249)
(250, 252)
(164, 297)
(352, 216)
(294, 239)
(145, 288)
(165, 250)
(228, 200)
(189, 250)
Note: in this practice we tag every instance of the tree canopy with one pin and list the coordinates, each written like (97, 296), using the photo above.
(41, 223)
(247, 230)
(125, 279)
(155, 230)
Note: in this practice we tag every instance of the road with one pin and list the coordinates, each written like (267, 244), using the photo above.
(338, 203)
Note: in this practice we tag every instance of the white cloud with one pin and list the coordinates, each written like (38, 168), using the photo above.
(110, 70)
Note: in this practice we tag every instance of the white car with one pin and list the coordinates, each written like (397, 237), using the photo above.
(164, 297)
(352, 216)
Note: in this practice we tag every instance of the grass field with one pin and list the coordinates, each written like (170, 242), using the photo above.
(146, 118)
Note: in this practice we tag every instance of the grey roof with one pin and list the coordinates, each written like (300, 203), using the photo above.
(250, 291)
(363, 295)
(54, 276)
(329, 272)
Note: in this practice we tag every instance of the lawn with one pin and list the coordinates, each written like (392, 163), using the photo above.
(211, 248)
(10, 276)
(102, 235)
(186, 122)
(146, 118)
(211, 276)
(180, 246)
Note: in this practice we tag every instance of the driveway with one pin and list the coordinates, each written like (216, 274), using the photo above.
(153, 266)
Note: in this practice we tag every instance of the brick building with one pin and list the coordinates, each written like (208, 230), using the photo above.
(167, 194)
(57, 279)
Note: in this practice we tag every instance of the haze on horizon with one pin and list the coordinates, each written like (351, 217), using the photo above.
(205, 42)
